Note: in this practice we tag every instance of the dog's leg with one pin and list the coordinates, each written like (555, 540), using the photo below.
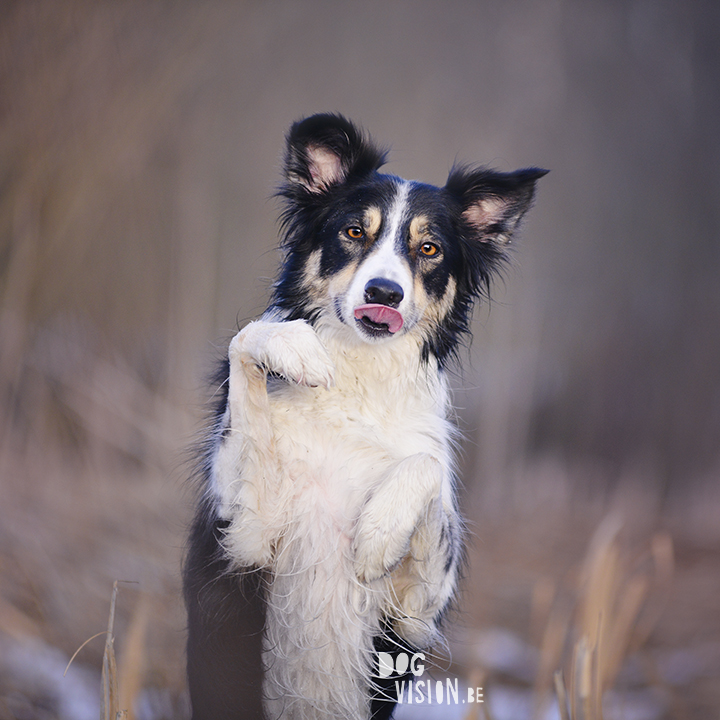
(425, 584)
(246, 471)
(408, 529)
(237, 523)
(392, 513)
(226, 616)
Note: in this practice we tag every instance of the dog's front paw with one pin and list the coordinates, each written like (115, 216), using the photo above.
(379, 554)
(291, 349)
(417, 621)
(393, 514)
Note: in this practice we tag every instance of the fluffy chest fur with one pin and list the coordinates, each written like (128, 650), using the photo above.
(383, 406)
(333, 446)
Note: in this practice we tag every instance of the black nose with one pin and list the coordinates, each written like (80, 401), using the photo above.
(383, 292)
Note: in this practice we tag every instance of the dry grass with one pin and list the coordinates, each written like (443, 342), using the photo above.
(614, 588)
(121, 687)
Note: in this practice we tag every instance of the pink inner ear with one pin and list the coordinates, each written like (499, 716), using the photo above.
(487, 211)
(325, 166)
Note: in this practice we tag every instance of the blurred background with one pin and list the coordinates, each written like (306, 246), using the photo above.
(140, 146)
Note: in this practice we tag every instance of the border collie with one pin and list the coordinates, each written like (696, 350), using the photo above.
(328, 529)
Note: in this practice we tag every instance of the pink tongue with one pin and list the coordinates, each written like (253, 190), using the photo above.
(381, 315)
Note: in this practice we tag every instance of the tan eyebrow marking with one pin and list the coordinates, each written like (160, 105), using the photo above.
(418, 229)
(373, 220)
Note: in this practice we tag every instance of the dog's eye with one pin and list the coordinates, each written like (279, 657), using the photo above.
(429, 249)
(355, 232)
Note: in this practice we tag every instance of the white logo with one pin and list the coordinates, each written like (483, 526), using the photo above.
(400, 665)
(415, 691)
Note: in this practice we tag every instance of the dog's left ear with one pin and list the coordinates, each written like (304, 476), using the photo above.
(326, 150)
(493, 203)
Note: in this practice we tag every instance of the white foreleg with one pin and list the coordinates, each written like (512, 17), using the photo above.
(407, 529)
(246, 470)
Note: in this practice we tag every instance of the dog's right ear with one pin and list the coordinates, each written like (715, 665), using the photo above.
(326, 150)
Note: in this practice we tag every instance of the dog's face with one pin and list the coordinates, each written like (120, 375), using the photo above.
(386, 256)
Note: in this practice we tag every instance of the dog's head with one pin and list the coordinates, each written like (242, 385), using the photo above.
(386, 256)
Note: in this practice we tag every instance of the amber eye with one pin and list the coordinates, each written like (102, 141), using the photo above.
(355, 232)
(429, 249)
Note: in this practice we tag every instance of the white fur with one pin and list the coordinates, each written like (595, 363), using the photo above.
(338, 482)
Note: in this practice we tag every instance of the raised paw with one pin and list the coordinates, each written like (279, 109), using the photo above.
(291, 349)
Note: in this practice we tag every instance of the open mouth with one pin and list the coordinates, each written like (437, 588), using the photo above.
(379, 319)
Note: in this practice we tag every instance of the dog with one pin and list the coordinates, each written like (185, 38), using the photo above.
(328, 529)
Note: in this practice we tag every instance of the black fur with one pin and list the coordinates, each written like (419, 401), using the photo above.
(226, 616)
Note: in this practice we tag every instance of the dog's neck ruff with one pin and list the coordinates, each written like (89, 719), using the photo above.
(393, 372)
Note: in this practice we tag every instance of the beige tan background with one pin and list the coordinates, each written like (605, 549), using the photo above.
(140, 145)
